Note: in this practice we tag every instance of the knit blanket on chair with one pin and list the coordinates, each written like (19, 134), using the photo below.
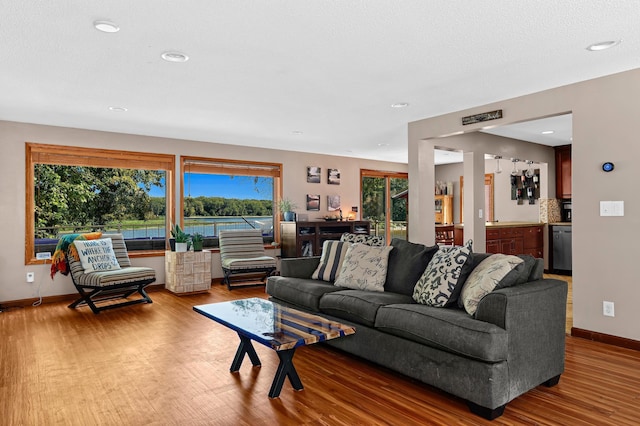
(65, 247)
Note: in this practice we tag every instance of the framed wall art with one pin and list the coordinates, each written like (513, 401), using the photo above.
(333, 176)
(313, 174)
(333, 202)
(313, 202)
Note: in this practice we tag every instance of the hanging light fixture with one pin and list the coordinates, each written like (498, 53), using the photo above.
(529, 173)
(515, 171)
(498, 169)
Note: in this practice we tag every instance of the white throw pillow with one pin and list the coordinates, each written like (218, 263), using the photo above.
(364, 267)
(97, 255)
(485, 277)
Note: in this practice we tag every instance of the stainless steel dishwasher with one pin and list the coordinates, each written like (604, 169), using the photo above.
(562, 247)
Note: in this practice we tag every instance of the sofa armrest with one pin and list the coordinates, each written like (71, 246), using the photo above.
(534, 316)
(299, 267)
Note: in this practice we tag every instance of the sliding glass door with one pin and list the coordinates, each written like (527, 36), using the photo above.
(384, 202)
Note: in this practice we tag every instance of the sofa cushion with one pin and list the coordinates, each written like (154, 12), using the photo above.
(357, 305)
(485, 277)
(364, 267)
(303, 292)
(407, 262)
(333, 253)
(452, 330)
(438, 283)
(370, 240)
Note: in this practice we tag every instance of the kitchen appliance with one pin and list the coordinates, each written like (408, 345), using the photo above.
(566, 211)
(562, 248)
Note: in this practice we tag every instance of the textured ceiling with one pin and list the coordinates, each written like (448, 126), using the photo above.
(260, 72)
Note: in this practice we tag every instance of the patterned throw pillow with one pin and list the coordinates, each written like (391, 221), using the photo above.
(370, 240)
(485, 277)
(438, 282)
(333, 253)
(364, 268)
(96, 255)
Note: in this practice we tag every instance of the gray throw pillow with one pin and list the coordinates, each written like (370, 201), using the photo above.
(407, 262)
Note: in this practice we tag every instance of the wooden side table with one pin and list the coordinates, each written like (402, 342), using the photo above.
(188, 272)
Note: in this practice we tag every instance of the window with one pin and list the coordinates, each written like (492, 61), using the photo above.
(72, 190)
(383, 202)
(227, 194)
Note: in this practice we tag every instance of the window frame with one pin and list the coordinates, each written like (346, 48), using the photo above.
(223, 166)
(37, 153)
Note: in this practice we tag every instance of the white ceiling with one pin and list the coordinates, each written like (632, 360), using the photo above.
(260, 72)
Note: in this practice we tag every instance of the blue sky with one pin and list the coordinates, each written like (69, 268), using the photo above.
(242, 187)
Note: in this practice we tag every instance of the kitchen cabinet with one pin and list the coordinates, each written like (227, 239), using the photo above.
(510, 239)
(303, 239)
(516, 240)
(563, 171)
(444, 209)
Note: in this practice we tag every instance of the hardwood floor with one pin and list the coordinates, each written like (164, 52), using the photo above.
(164, 364)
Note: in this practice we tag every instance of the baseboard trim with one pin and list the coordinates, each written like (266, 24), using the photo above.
(609, 339)
(23, 303)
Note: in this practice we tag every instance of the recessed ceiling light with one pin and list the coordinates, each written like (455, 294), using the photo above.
(547, 132)
(383, 144)
(603, 45)
(297, 132)
(175, 57)
(117, 109)
(400, 105)
(106, 26)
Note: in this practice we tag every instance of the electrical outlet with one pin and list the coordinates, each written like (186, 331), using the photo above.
(31, 277)
(43, 256)
(608, 309)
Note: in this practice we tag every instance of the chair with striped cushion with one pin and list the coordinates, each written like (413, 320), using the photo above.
(103, 286)
(242, 252)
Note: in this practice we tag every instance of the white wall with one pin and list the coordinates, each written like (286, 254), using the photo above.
(604, 129)
(12, 188)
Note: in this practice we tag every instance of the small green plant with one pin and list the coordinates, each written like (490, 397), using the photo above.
(179, 235)
(286, 205)
(197, 237)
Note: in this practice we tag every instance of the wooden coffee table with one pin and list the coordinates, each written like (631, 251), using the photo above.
(278, 327)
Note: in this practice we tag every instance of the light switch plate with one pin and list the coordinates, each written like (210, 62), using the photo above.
(611, 208)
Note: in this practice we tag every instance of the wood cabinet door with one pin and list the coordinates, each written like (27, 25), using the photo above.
(493, 246)
(563, 171)
(533, 237)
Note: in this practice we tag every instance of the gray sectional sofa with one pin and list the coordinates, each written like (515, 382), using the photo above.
(514, 342)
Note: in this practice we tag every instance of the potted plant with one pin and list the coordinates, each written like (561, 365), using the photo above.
(286, 207)
(197, 240)
(181, 238)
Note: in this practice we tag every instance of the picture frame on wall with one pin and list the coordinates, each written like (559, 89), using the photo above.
(313, 202)
(333, 203)
(333, 176)
(313, 174)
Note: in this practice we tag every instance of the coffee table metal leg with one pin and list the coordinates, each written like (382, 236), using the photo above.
(285, 369)
(245, 347)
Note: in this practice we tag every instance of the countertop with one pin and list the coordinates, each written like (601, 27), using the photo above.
(505, 224)
(560, 224)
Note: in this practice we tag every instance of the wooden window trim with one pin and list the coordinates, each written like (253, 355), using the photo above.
(488, 181)
(386, 175)
(92, 157)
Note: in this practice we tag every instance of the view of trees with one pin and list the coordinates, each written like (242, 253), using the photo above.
(373, 198)
(74, 195)
(218, 206)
